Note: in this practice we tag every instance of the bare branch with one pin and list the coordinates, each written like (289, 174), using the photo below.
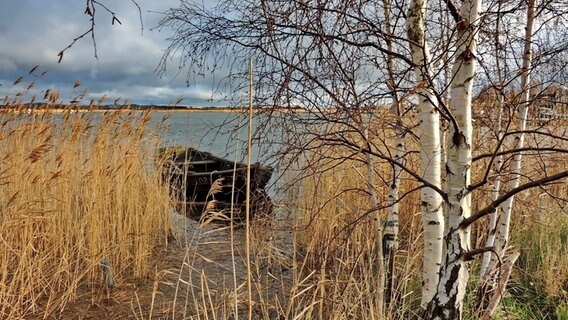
(495, 204)
(91, 11)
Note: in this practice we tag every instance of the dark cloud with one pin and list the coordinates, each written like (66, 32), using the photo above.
(33, 32)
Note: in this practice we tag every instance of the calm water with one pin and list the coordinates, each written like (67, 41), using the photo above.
(222, 134)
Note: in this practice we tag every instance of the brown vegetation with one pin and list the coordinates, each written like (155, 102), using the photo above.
(76, 191)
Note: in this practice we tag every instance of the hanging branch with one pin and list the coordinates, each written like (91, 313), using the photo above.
(91, 11)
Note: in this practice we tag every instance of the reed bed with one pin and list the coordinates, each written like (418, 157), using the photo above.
(329, 268)
(77, 193)
(338, 246)
(79, 190)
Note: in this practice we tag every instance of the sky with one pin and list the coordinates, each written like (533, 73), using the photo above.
(33, 32)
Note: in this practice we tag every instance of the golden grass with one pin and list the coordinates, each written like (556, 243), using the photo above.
(542, 236)
(330, 267)
(338, 244)
(79, 191)
(75, 191)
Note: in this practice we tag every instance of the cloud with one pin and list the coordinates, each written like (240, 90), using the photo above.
(162, 95)
(7, 65)
(35, 31)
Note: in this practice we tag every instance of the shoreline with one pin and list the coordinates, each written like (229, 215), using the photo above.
(149, 109)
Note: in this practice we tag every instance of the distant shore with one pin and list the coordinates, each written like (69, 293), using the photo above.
(71, 109)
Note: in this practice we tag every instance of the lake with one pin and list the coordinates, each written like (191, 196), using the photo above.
(223, 134)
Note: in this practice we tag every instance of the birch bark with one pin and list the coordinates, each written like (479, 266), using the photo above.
(502, 236)
(390, 235)
(430, 155)
(380, 290)
(454, 273)
(496, 186)
(504, 221)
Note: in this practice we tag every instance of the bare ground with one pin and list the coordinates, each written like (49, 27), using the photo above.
(193, 277)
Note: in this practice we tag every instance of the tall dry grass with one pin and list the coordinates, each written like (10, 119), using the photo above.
(320, 262)
(324, 266)
(76, 191)
(338, 246)
(539, 285)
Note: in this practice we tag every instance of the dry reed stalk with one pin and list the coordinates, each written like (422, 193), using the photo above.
(76, 190)
(248, 198)
(338, 246)
(332, 273)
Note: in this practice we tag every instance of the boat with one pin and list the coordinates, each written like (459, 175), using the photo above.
(202, 183)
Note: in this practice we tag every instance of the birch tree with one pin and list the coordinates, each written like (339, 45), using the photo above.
(331, 56)
(496, 186)
(430, 153)
(454, 273)
(500, 224)
(503, 228)
(390, 241)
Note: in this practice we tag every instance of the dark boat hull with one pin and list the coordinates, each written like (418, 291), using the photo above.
(202, 182)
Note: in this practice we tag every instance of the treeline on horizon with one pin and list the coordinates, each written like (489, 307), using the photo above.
(40, 105)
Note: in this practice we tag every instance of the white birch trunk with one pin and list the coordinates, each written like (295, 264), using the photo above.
(392, 222)
(430, 155)
(504, 221)
(391, 228)
(375, 218)
(495, 188)
(454, 273)
(497, 294)
(378, 229)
